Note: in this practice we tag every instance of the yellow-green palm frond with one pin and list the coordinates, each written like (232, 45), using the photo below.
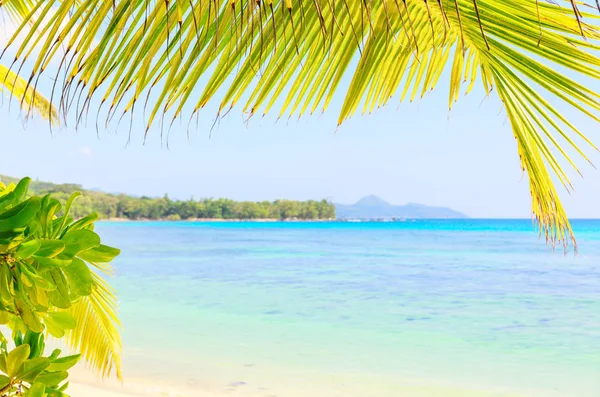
(174, 56)
(31, 100)
(17, 9)
(97, 335)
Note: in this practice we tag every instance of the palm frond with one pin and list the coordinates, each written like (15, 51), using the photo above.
(31, 101)
(17, 9)
(97, 335)
(173, 57)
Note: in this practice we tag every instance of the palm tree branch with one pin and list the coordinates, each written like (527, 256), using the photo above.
(97, 335)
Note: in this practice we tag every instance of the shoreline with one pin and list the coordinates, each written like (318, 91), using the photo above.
(258, 220)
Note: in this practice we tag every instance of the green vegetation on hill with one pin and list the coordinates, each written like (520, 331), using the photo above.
(134, 208)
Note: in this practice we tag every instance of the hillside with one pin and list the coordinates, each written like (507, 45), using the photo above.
(373, 207)
(124, 206)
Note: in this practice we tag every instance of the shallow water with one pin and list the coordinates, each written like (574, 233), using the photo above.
(347, 309)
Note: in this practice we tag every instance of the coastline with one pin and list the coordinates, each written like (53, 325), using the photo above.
(257, 220)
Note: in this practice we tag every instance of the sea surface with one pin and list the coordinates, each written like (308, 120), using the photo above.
(359, 309)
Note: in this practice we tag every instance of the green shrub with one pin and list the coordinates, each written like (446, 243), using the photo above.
(48, 286)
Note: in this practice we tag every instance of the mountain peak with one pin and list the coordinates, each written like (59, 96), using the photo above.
(372, 201)
(370, 207)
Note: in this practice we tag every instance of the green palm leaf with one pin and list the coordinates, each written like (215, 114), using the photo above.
(97, 335)
(31, 100)
(17, 9)
(174, 56)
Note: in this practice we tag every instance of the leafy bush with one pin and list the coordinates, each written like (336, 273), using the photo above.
(48, 287)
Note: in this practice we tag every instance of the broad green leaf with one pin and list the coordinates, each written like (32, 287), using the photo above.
(59, 297)
(50, 248)
(19, 215)
(100, 254)
(47, 263)
(84, 222)
(79, 278)
(57, 322)
(21, 189)
(49, 208)
(65, 216)
(36, 343)
(5, 317)
(54, 329)
(40, 282)
(52, 392)
(79, 240)
(55, 354)
(33, 367)
(7, 289)
(3, 363)
(27, 282)
(64, 319)
(11, 244)
(4, 381)
(29, 317)
(28, 248)
(11, 240)
(33, 227)
(64, 363)
(6, 200)
(11, 234)
(38, 389)
(64, 387)
(18, 337)
(15, 360)
(52, 379)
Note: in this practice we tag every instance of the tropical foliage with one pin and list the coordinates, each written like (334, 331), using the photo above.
(49, 285)
(169, 58)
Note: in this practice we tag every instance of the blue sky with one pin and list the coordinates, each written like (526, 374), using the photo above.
(416, 152)
(465, 159)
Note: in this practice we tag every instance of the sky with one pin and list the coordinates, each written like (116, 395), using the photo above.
(418, 152)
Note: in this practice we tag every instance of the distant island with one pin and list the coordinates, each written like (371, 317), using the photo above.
(118, 206)
(373, 207)
(126, 207)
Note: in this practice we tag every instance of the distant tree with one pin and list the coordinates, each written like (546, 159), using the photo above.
(124, 206)
(188, 209)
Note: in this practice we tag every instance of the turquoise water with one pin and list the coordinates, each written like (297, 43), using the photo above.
(269, 309)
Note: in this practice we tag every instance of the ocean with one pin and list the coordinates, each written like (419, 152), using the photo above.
(424, 308)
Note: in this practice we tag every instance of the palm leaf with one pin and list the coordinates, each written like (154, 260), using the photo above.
(17, 9)
(31, 100)
(97, 335)
(172, 57)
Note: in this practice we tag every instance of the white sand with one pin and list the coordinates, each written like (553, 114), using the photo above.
(77, 389)
(131, 389)
(101, 389)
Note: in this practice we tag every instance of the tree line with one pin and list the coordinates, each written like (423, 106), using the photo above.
(140, 208)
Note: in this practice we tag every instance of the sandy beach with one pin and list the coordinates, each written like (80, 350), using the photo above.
(97, 389)
(85, 384)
